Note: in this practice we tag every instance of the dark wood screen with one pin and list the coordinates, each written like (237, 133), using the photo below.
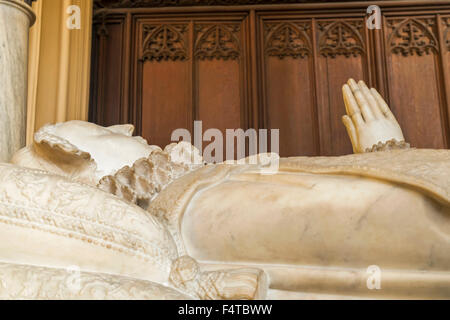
(271, 66)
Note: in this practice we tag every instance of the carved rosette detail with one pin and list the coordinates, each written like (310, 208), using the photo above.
(164, 42)
(412, 36)
(287, 40)
(218, 41)
(341, 38)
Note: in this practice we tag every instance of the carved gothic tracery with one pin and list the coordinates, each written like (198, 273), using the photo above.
(287, 40)
(164, 42)
(411, 36)
(99, 4)
(102, 29)
(341, 38)
(218, 41)
(446, 33)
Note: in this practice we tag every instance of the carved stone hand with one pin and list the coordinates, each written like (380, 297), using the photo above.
(369, 120)
(231, 284)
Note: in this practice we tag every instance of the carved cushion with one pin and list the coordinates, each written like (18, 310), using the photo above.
(32, 282)
(49, 220)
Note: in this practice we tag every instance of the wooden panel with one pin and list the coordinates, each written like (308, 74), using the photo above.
(108, 55)
(219, 63)
(165, 100)
(283, 68)
(171, 95)
(414, 80)
(219, 103)
(417, 106)
(290, 105)
(341, 54)
(444, 41)
(289, 86)
(332, 74)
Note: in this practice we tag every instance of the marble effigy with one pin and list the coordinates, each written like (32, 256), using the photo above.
(88, 212)
(311, 230)
(16, 17)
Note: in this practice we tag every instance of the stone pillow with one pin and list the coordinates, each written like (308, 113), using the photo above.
(49, 220)
(38, 283)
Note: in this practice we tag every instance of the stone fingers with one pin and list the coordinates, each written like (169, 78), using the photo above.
(376, 109)
(351, 106)
(351, 131)
(361, 100)
(383, 105)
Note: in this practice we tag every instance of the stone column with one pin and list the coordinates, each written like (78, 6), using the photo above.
(16, 17)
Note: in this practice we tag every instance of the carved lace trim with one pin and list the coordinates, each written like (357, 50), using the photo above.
(54, 224)
(142, 183)
(388, 145)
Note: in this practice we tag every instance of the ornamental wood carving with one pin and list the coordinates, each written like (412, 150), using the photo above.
(98, 4)
(287, 39)
(102, 30)
(412, 36)
(446, 33)
(341, 38)
(217, 41)
(164, 42)
(279, 77)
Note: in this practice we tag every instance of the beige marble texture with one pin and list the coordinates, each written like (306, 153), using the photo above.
(314, 232)
(16, 18)
(41, 283)
(48, 220)
(311, 230)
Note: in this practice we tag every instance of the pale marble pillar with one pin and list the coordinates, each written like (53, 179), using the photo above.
(16, 17)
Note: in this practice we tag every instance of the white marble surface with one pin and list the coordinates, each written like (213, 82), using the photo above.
(16, 18)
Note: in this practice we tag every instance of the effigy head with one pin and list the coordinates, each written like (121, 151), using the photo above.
(88, 152)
